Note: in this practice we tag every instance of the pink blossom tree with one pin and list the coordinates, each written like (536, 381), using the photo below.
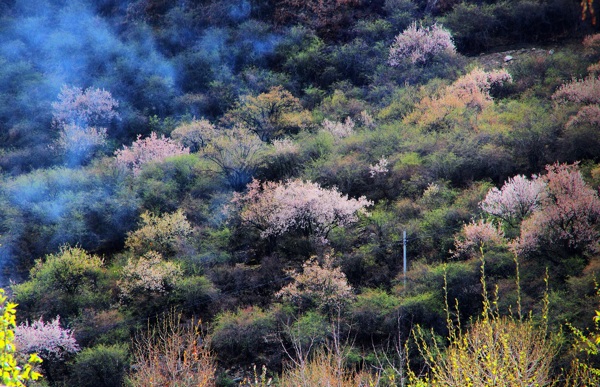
(81, 116)
(420, 45)
(83, 108)
(569, 213)
(276, 208)
(476, 235)
(518, 198)
(581, 91)
(49, 340)
(147, 150)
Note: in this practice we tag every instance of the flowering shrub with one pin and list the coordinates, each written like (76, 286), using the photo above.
(587, 115)
(13, 374)
(591, 44)
(339, 129)
(518, 198)
(569, 213)
(50, 340)
(149, 149)
(468, 95)
(148, 275)
(583, 91)
(380, 168)
(477, 234)
(276, 208)
(83, 108)
(321, 285)
(420, 45)
(284, 147)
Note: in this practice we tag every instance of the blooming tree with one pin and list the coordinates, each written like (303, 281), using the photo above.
(83, 108)
(339, 129)
(276, 208)
(468, 95)
(582, 91)
(78, 142)
(518, 198)
(476, 235)
(587, 115)
(420, 45)
(321, 285)
(147, 150)
(148, 275)
(81, 117)
(569, 213)
(49, 340)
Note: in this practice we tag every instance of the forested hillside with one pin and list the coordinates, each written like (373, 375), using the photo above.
(229, 192)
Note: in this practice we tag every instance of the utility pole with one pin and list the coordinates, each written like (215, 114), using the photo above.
(404, 256)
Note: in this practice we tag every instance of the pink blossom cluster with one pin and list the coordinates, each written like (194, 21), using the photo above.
(570, 212)
(49, 340)
(78, 115)
(591, 44)
(83, 108)
(477, 234)
(587, 115)
(146, 150)
(339, 129)
(474, 88)
(557, 208)
(517, 198)
(419, 45)
(276, 208)
(584, 91)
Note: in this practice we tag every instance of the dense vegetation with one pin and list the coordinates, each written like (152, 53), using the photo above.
(189, 189)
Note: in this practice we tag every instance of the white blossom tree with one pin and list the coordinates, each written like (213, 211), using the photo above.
(276, 208)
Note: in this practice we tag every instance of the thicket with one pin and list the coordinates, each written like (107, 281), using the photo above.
(254, 165)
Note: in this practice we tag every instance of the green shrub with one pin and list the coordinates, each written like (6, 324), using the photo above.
(100, 366)
(244, 335)
(63, 284)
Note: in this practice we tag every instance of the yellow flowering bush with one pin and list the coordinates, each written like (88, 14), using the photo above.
(12, 373)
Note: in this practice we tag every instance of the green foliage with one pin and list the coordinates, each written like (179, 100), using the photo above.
(100, 366)
(243, 336)
(165, 234)
(13, 374)
(374, 313)
(64, 283)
